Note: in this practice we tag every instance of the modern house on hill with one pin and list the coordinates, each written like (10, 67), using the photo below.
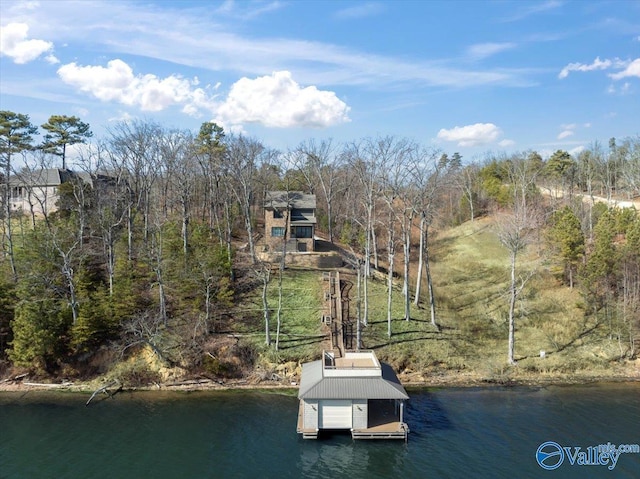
(356, 393)
(290, 215)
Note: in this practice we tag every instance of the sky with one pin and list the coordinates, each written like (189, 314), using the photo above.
(474, 77)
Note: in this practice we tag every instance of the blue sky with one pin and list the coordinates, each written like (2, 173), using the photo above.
(467, 76)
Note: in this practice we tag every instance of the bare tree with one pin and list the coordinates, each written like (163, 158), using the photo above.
(242, 157)
(134, 151)
(110, 202)
(396, 191)
(515, 229)
(467, 181)
(426, 179)
(217, 198)
(629, 150)
(262, 271)
(156, 258)
(395, 180)
(321, 164)
(178, 155)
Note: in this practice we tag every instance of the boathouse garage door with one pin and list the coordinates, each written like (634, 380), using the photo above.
(335, 414)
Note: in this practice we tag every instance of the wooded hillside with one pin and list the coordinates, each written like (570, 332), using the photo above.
(159, 252)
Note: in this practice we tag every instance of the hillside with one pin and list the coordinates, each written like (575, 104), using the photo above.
(471, 278)
(470, 270)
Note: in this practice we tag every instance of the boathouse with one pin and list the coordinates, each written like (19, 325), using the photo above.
(354, 392)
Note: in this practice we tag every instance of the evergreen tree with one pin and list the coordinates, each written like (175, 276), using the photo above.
(64, 130)
(7, 306)
(598, 274)
(39, 332)
(566, 238)
(16, 136)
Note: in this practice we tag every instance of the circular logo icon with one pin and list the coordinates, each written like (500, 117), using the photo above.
(549, 455)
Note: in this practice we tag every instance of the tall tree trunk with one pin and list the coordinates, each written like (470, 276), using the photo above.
(390, 273)
(7, 218)
(407, 258)
(265, 304)
(512, 309)
(416, 299)
(432, 298)
(358, 309)
(130, 225)
(279, 313)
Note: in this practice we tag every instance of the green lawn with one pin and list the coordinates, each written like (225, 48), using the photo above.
(471, 280)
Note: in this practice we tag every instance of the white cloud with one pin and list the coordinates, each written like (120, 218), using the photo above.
(565, 134)
(582, 67)
(484, 50)
(624, 89)
(360, 10)
(575, 151)
(117, 82)
(504, 143)
(122, 116)
(471, 135)
(629, 68)
(14, 44)
(209, 38)
(247, 10)
(535, 8)
(273, 101)
(632, 70)
(278, 101)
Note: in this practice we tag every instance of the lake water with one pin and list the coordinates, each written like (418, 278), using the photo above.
(455, 433)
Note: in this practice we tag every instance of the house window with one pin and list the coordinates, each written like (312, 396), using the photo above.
(303, 232)
(18, 193)
(277, 214)
(277, 231)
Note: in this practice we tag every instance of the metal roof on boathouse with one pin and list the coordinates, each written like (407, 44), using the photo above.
(315, 385)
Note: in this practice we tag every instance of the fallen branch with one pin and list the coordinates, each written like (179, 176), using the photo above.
(104, 389)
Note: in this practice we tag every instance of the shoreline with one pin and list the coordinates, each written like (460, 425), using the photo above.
(440, 381)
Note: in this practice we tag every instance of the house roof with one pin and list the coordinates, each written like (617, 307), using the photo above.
(313, 385)
(48, 177)
(291, 199)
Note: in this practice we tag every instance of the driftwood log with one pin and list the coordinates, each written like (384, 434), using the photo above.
(49, 385)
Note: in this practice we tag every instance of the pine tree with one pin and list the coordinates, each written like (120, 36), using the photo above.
(64, 130)
(566, 238)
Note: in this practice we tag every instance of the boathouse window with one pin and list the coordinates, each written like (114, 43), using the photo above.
(277, 231)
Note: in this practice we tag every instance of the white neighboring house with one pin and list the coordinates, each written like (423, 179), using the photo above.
(37, 191)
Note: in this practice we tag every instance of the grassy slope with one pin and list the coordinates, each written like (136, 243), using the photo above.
(470, 271)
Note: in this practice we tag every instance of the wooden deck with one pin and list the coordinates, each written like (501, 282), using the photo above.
(387, 430)
(306, 433)
(391, 430)
(344, 363)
